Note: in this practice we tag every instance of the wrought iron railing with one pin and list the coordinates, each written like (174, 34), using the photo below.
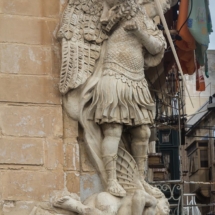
(173, 191)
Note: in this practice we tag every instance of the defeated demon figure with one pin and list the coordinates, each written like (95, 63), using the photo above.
(139, 203)
(136, 202)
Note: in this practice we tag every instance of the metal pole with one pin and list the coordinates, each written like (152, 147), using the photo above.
(160, 12)
(179, 138)
(212, 157)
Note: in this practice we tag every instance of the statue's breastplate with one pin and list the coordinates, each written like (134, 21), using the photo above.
(125, 55)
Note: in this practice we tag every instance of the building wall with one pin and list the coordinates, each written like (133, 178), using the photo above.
(199, 98)
(37, 156)
(204, 174)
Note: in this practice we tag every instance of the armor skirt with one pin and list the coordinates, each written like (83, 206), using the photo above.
(117, 99)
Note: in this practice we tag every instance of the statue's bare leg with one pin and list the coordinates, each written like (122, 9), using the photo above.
(151, 204)
(70, 204)
(143, 203)
(138, 203)
(139, 144)
(112, 135)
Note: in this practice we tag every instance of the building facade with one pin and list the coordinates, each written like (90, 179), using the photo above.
(199, 156)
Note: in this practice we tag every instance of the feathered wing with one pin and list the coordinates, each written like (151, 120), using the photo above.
(82, 36)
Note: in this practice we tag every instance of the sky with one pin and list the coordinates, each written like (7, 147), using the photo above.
(212, 35)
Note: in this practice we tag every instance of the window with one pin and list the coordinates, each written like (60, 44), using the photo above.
(203, 144)
(166, 161)
(204, 158)
(193, 162)
(191, 148)
(165, 138)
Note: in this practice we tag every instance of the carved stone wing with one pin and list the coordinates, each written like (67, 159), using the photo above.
(127, 171)
(82, 36)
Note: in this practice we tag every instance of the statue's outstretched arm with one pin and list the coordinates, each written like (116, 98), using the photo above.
(153, 44)
(69, 203)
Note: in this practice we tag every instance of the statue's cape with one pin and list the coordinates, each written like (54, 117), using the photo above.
(76, 103)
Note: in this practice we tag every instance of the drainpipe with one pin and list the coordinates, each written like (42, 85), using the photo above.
(212, 156)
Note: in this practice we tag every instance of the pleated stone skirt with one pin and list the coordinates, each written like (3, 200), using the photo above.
(117, 99)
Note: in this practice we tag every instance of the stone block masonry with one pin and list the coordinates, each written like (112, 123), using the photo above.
(39, 152)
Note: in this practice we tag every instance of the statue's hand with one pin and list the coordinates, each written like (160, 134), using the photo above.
(131, 26)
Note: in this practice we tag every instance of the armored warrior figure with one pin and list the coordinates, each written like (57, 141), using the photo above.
(121, 98)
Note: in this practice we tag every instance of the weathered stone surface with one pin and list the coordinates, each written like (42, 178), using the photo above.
(40, 211)
(22, 59)
(49, 211)
(29, 89)
(31, 121)
(30, 185)
(63, 4)
(18, 208)
(27, 30)
(40, 8)
(1, 208)
(22, 151)
(86, 165)
(1, 6)
(0, 193)
(90, 184)
(73, 182)
(71, 147)
(71, 160)
(70, 127)
(53, 153)
(56, 60)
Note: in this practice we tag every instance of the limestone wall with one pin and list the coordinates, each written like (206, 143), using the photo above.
(35, 159)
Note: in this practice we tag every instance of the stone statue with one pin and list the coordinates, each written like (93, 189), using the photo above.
(106, 44)
(121, 98)
(136, 202)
